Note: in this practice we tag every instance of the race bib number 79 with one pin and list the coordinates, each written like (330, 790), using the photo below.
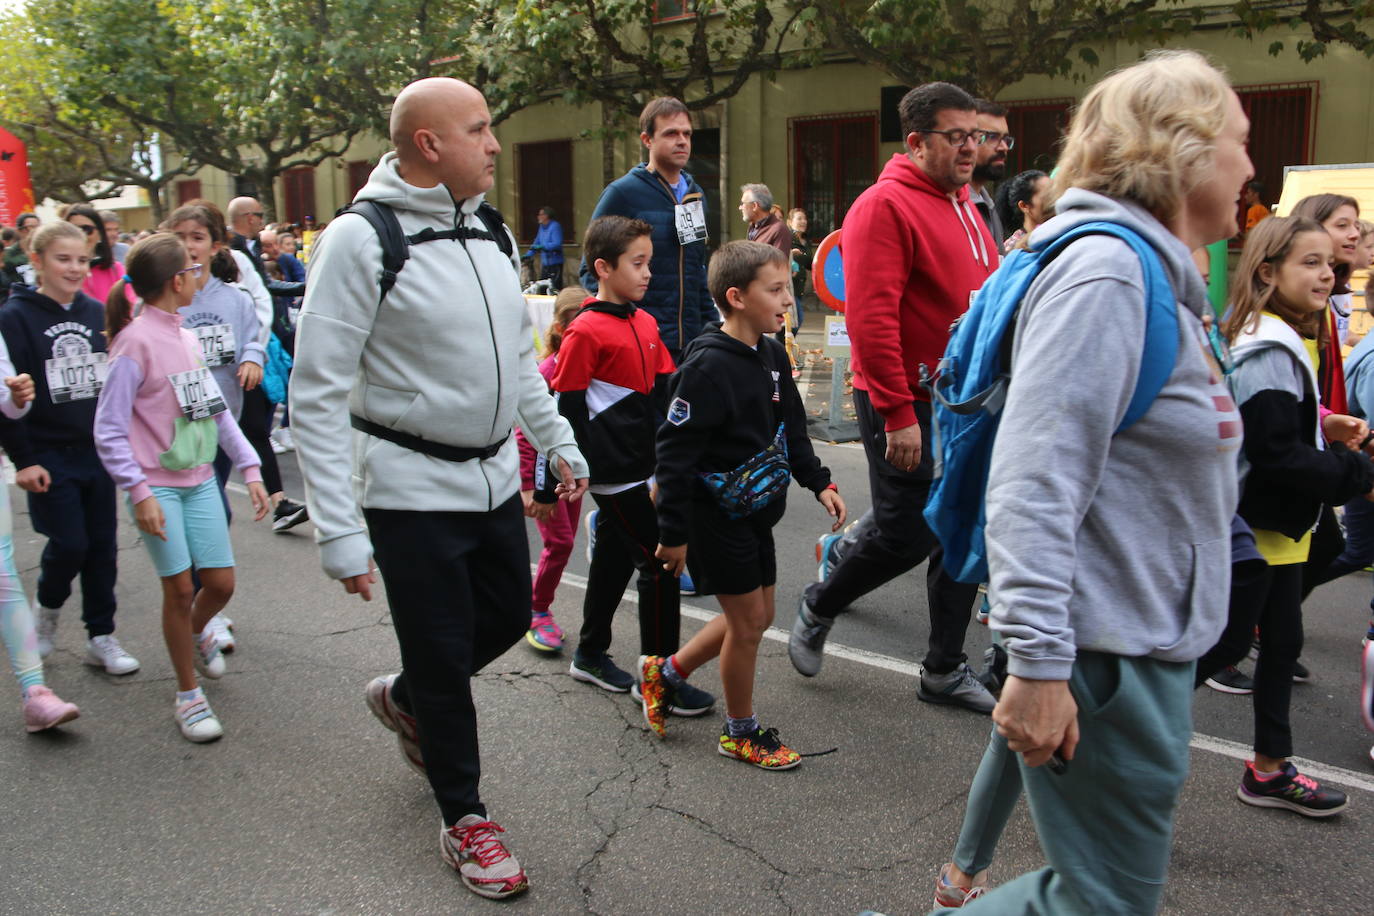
(197, 393)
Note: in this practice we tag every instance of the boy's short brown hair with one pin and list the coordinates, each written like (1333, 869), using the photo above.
(608, 237)
(665, 106)
(736, 265)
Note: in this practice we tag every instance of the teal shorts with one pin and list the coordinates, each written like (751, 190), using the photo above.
(196, 528)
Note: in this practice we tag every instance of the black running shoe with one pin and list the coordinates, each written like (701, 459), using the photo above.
(288, 515)
(683, 701)
(1292, 790)
(602, 672)
(1232, 680)
(1300, 673)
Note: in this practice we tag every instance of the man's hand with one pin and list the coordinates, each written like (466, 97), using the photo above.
(34, 478)
(361, 584)
(1037, 718)
(674, 558)
(1337, 427)
(904, 447)
(21, 388)
(250, 374)
(835, 506)
(148, 515)
(570, 489)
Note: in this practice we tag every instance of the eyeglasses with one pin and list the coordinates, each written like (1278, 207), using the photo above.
(194, 270)
(958, 138)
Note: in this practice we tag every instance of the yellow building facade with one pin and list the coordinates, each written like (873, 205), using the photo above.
(817, 137)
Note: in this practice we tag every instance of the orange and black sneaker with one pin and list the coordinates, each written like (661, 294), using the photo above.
(653, 692)
(763, 749)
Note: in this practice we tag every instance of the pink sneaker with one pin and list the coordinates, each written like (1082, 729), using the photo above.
(44, 709)
(544, 635)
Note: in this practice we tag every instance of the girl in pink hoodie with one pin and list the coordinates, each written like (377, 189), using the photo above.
(160, 418)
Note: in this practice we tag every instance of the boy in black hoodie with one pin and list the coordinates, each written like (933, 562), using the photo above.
(56, 334)
(611, 383)
(734, 403)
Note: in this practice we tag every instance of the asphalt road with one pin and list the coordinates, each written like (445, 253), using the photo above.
(306, 807)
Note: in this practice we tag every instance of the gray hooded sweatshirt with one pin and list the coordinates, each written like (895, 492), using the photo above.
(449, 357)
(1102, 542)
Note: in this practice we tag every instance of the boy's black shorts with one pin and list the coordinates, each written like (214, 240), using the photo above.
(732, 557)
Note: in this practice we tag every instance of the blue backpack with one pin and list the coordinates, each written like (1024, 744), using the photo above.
(969, 388)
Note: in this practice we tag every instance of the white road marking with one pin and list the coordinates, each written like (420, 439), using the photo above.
(1323, 772)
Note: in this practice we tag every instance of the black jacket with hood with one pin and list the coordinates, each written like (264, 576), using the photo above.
(37, 329)
(727, 400)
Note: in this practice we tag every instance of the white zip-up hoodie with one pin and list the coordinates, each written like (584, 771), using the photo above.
(448, 357)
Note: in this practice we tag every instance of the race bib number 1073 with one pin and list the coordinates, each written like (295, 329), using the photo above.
(76, 378)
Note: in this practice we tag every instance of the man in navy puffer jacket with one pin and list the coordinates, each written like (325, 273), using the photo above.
(666, 197)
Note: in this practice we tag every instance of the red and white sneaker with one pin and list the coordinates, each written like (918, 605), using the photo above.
(471, 847)
(44, 709)
(379, 701)
(954, 895)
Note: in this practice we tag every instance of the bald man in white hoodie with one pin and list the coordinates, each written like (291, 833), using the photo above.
(404, 409)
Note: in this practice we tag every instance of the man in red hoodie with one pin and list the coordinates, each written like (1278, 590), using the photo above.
(915, 250)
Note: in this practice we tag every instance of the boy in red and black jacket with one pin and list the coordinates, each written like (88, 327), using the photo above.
(611, 383)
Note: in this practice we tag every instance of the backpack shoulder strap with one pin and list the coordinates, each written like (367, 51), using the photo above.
(496, 225)
(395, 248)
(1160, 352)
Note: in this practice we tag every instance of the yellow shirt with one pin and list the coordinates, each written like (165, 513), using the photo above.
(1279, 549)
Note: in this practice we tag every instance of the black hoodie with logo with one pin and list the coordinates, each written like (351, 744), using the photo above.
(38, 329)
(726, 401)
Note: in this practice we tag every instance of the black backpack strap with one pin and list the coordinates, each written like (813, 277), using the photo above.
(496, 225)
(395, 249)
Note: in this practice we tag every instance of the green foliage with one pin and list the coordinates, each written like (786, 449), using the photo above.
(615, 53)
(1322, 23)
(253, 87)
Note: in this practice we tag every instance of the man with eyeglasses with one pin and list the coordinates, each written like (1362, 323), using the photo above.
(915, 249)
(991, 163)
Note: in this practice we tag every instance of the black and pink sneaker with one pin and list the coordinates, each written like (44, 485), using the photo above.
(1292, 790)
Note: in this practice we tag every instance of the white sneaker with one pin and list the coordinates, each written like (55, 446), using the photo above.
(277, 447)
(283, 441)
(208, 658)
(106, 652)
(219, 625)
(197, 721)
(46, 629)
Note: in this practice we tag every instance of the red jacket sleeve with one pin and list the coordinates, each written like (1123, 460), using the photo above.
(878, 265)
(576, 360)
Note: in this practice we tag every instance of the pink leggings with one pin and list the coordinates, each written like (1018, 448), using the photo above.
(558, 534)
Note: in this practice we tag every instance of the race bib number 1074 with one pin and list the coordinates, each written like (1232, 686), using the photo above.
(197, 393)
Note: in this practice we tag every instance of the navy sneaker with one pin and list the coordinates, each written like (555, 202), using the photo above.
(1231, 680)
(683, 701)
(1292, 790)
(600, 671)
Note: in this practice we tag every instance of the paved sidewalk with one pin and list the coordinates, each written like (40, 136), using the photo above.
(306, 807)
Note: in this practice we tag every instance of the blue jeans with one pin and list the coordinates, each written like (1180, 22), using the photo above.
(77, 516)
(1359, 543)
